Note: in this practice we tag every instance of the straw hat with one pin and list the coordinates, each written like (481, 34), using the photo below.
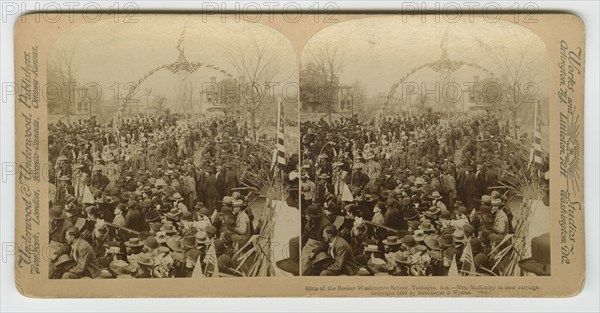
(174, 243)
(134, 242)
(371, 248)
(391, 241)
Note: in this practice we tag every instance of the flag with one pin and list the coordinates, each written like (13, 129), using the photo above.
(346, 193)
(211, 259)
(467, 258)
(198, 273)
(453, 271)
(280, 137)
(87, 196)
(535, 153)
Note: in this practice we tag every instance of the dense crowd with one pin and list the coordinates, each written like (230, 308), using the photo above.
(405, 195)
(150, 197)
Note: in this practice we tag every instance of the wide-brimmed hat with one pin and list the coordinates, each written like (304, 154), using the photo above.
(168, 229)
(426, 226)
(486, 199)
(151, 243)
(186, 216)
(371, 248)
(459, 236)
(193, 254)
(174, 243)
(446, 240)
(391, 241)
(189, 241)
(539, 263)
(432, 242)
(161, 237)
(146, 259)
(436, 195)
(432, 212)
(134, 242)
(409, 241)
(64, 178)
(291, 264)
(446, 215)
(176, 197)
(314, 210)
(324, 176)
(155, 226)
(56, 213)
(227, 200)
(63, 259)
(322, 258)
(160, 183)
(201, 237)
(174, 213)
(403, 257)
(419, 235)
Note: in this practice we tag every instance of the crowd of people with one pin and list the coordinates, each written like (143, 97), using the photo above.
(151, 197)
(409, 195)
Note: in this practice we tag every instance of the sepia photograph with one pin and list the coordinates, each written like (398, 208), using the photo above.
(271, 149)
(424, 149)
(173, 150)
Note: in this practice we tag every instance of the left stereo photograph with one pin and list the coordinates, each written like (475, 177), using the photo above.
(171, 150)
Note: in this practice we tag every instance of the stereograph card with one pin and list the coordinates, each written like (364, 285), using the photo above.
(246, 155)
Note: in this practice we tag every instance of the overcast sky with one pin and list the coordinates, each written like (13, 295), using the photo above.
(376, 50)
(380, 50)
(109, 53)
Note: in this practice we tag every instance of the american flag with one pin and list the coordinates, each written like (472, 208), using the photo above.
(467, 258)
(211, 259)
(535, 153)
(182, 64)
(444, 63)
(279, 152)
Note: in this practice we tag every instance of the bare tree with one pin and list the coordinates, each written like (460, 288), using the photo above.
(257, 65)
(521, 76)
(63, 63)
(328, 61)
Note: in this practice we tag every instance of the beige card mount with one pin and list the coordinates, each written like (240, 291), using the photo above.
(236, 155)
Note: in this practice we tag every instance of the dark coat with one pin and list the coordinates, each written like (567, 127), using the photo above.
(344, 261)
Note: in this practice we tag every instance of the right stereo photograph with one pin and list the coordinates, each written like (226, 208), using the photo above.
(424, 149)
